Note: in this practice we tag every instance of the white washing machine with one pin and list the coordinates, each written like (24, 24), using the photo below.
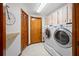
(48, 34)
(49, 31)
(61, 41)
(48, 42)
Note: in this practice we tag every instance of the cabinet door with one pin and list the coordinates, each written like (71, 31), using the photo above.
(59, 16)
(64, 15)
(46, 21)
(52, 18)
(55, 18)
(69, 13)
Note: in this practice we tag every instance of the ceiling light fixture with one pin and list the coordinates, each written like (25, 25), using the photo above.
(42, 5)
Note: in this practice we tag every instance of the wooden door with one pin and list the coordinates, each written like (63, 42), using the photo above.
(1, 29)
(75, 32)
(36, 30)
(24, 30)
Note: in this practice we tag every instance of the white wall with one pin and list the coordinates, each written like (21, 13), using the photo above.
(15, 47)
(43, 26)
(43, 22)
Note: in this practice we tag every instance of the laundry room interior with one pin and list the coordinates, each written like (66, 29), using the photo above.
(39, 29)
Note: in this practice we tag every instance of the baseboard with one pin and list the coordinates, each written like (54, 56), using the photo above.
(35, 43)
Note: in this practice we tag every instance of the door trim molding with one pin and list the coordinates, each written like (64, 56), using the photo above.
(74, 29)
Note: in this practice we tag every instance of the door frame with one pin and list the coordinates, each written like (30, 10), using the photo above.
(1, 29)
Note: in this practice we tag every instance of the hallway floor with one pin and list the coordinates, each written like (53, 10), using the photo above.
(35, 50)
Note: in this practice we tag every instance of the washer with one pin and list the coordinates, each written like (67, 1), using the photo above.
(51, 30)
(48, 43)
(48, 34)
(62, 40)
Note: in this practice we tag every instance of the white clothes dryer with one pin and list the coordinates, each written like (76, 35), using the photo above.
(62, 40)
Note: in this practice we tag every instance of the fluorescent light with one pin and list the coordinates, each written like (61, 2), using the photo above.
(42, 5)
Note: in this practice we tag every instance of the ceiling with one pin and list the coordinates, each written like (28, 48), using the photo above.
(50, 7)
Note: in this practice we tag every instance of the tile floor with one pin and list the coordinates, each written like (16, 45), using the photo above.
(35, 50)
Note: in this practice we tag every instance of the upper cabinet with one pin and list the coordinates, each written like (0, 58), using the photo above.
(62, 15)
(48, 20)
(69, 13)
(51, 19)
(52, 22)
(55, 18)
(59, 16)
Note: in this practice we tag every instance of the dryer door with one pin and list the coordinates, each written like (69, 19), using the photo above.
(63, 37)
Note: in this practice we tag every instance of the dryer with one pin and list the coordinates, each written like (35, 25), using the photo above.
(62, 40)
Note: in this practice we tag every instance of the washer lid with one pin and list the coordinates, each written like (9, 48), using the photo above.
(63, 37)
